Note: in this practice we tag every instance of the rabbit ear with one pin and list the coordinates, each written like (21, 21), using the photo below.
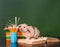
(28, 29)
(33, 27)
(37, 33)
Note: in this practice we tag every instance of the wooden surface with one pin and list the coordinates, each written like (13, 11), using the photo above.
(37, 41)
(44, 43)
(32, 41)
(52, 40)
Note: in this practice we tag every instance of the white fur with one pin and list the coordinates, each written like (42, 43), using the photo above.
(28, 31)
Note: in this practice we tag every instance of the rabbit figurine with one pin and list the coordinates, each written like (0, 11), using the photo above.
(29, 31)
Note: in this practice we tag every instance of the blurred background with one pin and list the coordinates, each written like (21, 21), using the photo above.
(44, 14)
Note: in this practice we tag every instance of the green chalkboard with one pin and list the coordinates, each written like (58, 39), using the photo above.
(44, 14)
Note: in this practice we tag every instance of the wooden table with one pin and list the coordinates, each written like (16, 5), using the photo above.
(50, 42)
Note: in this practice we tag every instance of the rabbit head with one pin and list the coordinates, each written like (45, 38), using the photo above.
(23, 27)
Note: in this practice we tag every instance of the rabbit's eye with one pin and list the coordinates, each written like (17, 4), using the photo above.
(24, 27)
(19, 26)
